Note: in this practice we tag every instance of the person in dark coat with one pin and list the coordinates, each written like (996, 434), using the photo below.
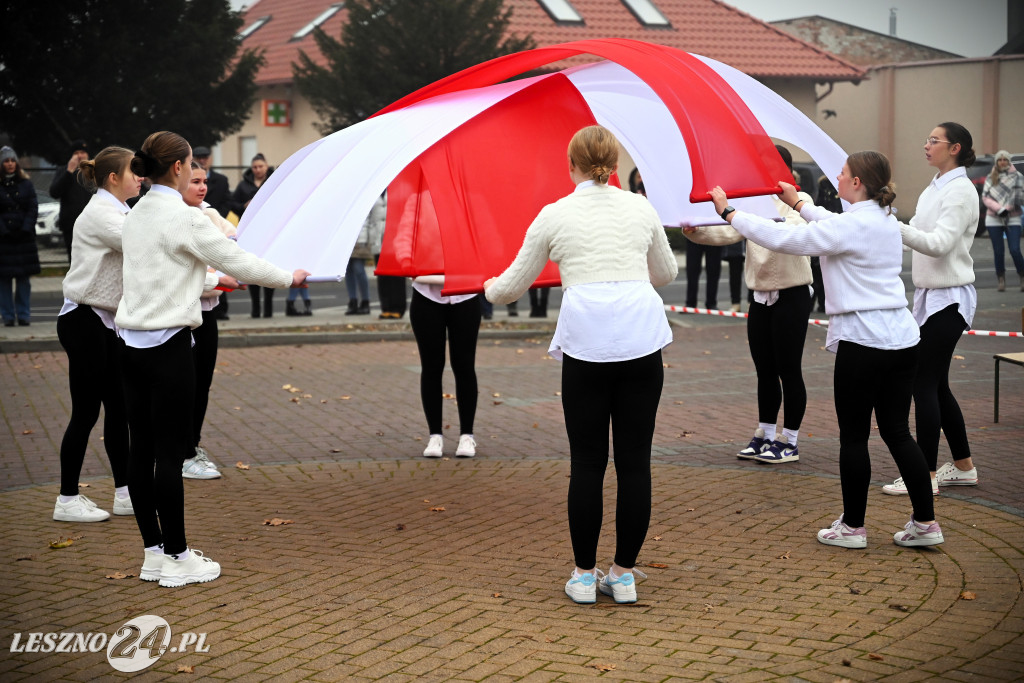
(67, 186)
(19, 258)
(252, 180)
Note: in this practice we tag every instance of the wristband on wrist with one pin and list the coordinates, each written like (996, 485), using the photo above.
(798, 203)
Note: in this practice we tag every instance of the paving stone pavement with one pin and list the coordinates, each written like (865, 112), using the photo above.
(367, 582)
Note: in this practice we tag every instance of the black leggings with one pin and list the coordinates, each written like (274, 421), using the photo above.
(776, 336)
(869, 379)
(159, 391)
(205, 358)
(713, 259)
(935, 407)
(624, 394)
(94, 375)
(431, 324)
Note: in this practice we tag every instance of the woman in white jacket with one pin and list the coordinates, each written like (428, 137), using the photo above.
(167, 246)
(870, 330)
(941, 233)
(611, 251)
(85, 328)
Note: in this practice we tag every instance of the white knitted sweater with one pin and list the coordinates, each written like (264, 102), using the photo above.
(941, 233)
(596, 234)
(764, 270)
(94, 278)
(167, 245)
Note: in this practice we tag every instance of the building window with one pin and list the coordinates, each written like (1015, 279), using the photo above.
(253, 27)
(324, 16)
(561, 11)
(646, 12)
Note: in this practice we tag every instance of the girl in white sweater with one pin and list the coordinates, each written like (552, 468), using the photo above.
(941, 233)
(611, 251)
(167, 246)
(85, 328)
(870, 330)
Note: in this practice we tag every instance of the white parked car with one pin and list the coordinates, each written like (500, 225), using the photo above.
(47, 232)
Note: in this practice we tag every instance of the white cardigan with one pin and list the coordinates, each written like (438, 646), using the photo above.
(167, 245)
(941, 232)
(94, 278)
(596, 234)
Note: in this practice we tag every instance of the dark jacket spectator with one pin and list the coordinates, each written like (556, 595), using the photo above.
(249, 184)
(68, 188)
(19, 258)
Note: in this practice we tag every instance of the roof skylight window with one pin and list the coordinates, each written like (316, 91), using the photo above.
(646, 12)
(561, 11)
(253, 27)
(324, 16)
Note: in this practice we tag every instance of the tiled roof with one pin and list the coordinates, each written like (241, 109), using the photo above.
(706, 27)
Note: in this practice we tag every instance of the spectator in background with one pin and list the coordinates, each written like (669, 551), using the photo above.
(68, 188)
(1003, 195)
(19, 258)
(252, 180)
(218, 193)
(829, 199)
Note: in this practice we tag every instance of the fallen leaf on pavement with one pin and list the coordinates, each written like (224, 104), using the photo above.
(118, 575)
(496, 395)
(82, 485)
(61, 543)
(27, 431)
(657, 565)
(899, 608)
(185, 669)
(241, 465)
(294, 399)
(276, 521)
(400, 527)
(958, 357)
(855, 591)
(877, 658)
(602, 667)
(967, 595)
(344, 398)
(657, 538)
(497, 595)
(437, 508)
(335, 450)
(783, 556)
(447, 395)
(535, 425)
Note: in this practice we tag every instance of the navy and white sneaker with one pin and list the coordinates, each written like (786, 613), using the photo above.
(757, 445)
(778, 451)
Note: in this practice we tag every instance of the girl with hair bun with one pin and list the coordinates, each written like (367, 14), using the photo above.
(167, 246)
(870, 330)
(86, 330)
(611, 251)
(941, 233)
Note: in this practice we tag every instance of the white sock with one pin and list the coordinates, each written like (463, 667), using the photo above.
(791, 435)
(576, 573)
(158, 549)
(121, 492)
(182, 556)
(769, 430)
(67, 499)
(613, 575)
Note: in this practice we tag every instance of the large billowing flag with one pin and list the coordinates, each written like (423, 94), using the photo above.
(469, 161)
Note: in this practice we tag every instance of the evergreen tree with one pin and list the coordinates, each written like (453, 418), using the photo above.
(114, 72)
(389, 48)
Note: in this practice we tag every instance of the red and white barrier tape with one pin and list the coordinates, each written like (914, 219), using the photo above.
(815, 321)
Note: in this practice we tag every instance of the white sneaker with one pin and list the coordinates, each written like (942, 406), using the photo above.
(915, 534)
(152, 566)
(79, 509)
(194, 569)
(899, 488)
(467, 446)
(123, 506)
(199, 466)
(949, 475)
(435, 447)
(623, 588)
(583, 588)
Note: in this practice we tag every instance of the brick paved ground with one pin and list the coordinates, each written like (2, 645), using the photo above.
(475, 592)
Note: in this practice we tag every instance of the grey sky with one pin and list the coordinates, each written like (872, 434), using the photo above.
(972, 28)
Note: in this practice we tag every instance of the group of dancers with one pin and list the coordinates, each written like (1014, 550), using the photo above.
(141, 280)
